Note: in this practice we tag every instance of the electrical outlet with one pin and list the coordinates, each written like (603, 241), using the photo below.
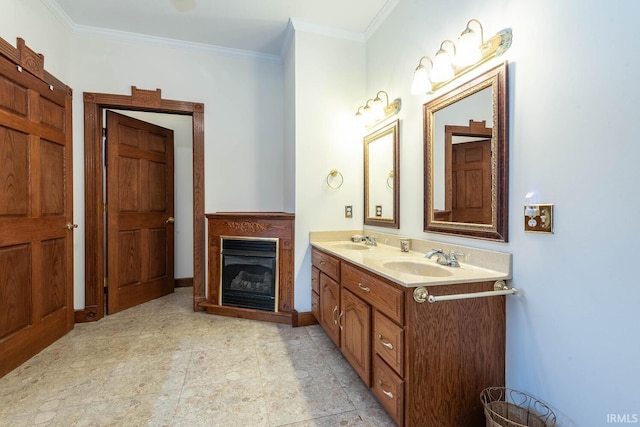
(538, 218)
(348, 211)
(378, 210)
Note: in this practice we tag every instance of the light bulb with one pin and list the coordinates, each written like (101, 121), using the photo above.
(469, 49)
(442, 67)
(421, 83)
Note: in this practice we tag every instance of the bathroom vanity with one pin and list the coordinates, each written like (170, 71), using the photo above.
(425, 362)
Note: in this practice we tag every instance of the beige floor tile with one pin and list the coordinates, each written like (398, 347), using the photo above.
(161, 364)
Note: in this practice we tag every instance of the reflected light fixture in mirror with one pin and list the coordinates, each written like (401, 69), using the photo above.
(450, 64)
(376, 110)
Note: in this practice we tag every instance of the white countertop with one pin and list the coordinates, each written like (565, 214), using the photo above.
(489, 265)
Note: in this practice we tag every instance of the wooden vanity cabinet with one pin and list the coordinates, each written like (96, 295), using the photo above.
(384, 341)
(355, 328)
(315, 293)
(330, 307)
(426, 363)
(345, 317)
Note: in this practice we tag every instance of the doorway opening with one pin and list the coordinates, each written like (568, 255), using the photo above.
(147, 101)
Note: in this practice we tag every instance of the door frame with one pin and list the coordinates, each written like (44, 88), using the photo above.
(139, 100)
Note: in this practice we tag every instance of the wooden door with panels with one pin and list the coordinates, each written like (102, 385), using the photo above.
(140, 209)
(36, 211)
(468, 172)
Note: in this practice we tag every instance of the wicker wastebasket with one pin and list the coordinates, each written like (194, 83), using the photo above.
(504, 407)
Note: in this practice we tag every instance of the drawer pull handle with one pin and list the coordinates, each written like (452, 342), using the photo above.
(364, 288)
(385, 342)
(386, 393)
(322, 263)
(335, 319)
(340, 320)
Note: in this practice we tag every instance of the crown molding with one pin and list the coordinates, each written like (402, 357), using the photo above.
(59, 13)
(380, 18)
(308, 27)
(125, 36)
(174, 44)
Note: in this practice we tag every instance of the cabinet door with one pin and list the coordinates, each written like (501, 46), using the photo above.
(355, 322)
(329, 307)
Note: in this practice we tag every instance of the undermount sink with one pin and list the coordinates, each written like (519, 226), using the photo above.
(417, 268)
(350, 246)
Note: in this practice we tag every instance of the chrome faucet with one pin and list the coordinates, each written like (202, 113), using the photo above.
(443, 258)
(369, 240)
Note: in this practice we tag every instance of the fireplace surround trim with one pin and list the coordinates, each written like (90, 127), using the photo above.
(252, 225)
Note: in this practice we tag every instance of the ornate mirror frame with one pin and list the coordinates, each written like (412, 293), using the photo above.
(386, 185)
(434, 221)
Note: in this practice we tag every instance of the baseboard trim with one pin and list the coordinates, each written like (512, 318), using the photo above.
(248, 313)
(305, 319)
(184, 282)
(88, 314)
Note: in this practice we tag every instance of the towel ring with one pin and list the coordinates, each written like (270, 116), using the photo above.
(390, 180)
(332, 174)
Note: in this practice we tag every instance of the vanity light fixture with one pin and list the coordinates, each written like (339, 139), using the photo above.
(450, 62)
(443, 63)
(470, 45)
(375, 110)
(421, 82)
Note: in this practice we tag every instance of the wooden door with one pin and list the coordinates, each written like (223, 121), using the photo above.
(36, 224)
(356, 334)
(140, 229)
(329, 307)
(471, 182)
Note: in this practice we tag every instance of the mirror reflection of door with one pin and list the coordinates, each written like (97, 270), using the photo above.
(466, 186)
(468, 173)
(465, 175)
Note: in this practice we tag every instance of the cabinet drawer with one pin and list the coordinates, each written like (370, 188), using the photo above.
(388, 341)
(389, 389)
(315, 280)
(326, 263)
(382, 296)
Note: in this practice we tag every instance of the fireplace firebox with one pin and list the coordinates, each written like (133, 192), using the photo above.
(249, 273)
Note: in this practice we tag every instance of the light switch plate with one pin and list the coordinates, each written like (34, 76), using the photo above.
(348, 211)
(541, 223)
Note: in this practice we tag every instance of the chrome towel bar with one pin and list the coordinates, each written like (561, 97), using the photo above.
(420, 294)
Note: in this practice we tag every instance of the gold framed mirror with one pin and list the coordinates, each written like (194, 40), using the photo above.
(466, 160)
(382, 176)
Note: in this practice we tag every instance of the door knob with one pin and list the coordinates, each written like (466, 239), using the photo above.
(170, 220)
(71, 226)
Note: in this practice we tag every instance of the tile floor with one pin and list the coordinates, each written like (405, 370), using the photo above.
(161, 364)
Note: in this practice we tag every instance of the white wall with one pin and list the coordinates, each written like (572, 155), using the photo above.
(243, 98)
(573, 140)
(243, 113)
(32, 21)
(289, 123)
(329, 86)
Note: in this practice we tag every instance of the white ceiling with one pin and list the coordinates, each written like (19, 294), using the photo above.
(247, 25)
